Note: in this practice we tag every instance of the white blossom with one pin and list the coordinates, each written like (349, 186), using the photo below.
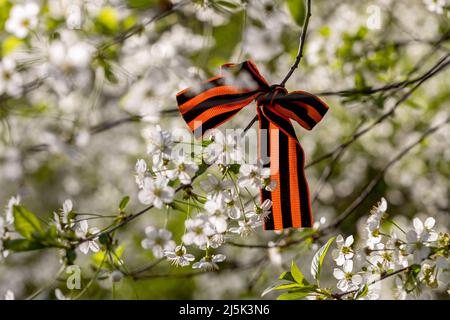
(160, 144)
(215, 187)
(232, 205)
(158, 240)
(255, 176)
(62, 218)
(382, 257)
(436, 6)
(3, 234)
(141, 171)
(261, 212)
(344, 250)
(223, 150)
(13, 201)
(184, 170)
(251, 175)
(217, 214)
(424, 231)
(69, 53)
(374, 222)
(10, 80)
(179, 257)
(22, 19)
(9, 295)
(209, 262)
(197, 231)
(347, 279)
(245, 227)
(156, 191)
(83, 232)
(419, 237)
(399, 291)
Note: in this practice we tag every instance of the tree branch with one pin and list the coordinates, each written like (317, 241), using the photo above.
(301, 46)
(297, 59)
(442, 64)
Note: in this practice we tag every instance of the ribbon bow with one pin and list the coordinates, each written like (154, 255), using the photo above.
(216, 100)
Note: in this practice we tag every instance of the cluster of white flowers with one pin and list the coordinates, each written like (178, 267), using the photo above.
(221, 211)
(22, 19)
(59, 83)
(65, 222)
(384, 253)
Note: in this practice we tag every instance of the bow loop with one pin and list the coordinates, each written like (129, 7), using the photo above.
(303, 107)
(216, 100)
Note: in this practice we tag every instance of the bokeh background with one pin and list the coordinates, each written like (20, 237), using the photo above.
(90, 75)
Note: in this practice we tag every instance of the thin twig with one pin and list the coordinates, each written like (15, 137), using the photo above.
(139, 28)
(443, 63)
(249, 125)
(301, 46)
(297, 59)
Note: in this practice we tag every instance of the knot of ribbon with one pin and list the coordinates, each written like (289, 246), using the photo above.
(210, 103)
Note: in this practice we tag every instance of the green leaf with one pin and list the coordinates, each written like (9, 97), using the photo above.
(296, 273)
(26, 223)
(286, 276)
(71, 256)
(362, 292)
(234, 168)
(123, 203)
(298, 11)
(109, 73)
(51, 233)
(288, 286)
(293, 295)
(19, 245)
(317, 261)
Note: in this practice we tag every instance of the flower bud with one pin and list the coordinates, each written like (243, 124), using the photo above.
(116, 276)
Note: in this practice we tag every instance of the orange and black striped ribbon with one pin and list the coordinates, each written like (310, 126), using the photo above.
(216, 100)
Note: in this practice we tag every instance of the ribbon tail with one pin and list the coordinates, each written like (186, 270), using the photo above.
(283, 154)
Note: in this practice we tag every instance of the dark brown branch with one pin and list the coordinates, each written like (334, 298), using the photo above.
(355, 204)
(438, 67)
(249, 125)
(301, 46)
(111, 124)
